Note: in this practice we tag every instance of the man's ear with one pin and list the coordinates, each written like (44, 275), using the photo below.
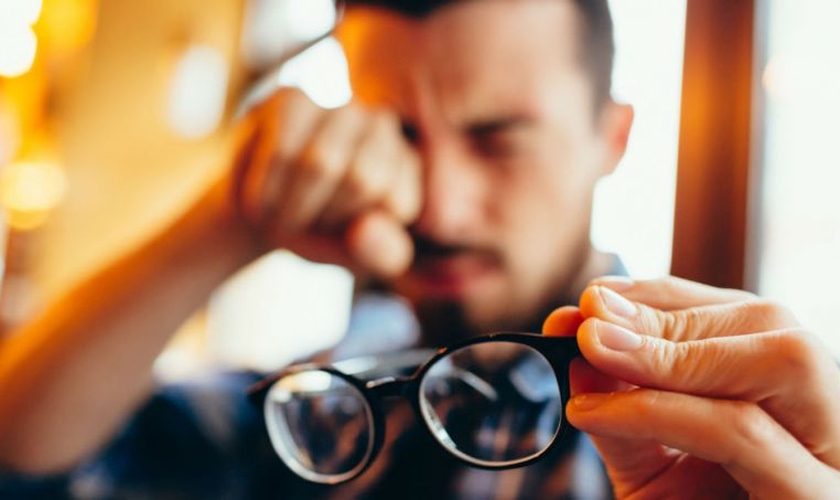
(616, 122)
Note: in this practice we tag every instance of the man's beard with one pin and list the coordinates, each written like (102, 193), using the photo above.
(443, 323)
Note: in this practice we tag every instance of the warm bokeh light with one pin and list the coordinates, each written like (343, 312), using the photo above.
(18, 45)
(29, 191)
(21, 12)
(198, 91)
(38, 43)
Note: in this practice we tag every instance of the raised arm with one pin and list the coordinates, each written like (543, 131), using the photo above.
(336, 186)
(69, 378)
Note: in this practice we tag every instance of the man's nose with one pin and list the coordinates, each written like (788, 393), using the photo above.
(451, 196)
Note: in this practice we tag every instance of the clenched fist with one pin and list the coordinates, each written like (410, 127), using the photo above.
(337, 186)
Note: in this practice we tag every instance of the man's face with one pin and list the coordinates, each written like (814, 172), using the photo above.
(496, 101)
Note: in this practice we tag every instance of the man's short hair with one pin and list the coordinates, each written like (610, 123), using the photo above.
(597, 47)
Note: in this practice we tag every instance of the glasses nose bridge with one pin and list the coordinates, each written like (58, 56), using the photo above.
(390, 387)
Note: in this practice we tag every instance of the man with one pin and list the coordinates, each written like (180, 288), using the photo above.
(460, 178)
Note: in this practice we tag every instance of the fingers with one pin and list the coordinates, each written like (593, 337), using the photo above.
(772, 369)
(280, 128)
(343, 177)
(712, 367)
(403, 198)
(312, 176)
(562, 322)
(383, 172)
(585, 378)
(743, 438)
(722, 376)
(724, 319)
(671, 293)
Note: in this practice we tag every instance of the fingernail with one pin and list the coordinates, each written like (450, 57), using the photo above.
(616, 303)
(617, 338)
(586, 402)
(616, 283)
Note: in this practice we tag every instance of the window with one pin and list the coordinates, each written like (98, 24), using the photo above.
(634, 208)
(798, 227)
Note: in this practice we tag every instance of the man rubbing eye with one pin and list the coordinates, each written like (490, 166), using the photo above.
(457, 186)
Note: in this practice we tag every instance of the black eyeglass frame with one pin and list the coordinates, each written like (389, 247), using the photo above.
(558, 351)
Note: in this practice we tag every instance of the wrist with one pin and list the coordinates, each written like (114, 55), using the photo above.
(211, 237)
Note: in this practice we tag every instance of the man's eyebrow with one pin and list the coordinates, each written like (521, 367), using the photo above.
(481, 127)
(495, 125)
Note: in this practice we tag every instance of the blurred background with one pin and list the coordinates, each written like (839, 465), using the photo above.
(113, 114)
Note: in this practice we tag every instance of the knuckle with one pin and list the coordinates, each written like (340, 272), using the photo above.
(676, 364)
(683, 359)
(667, 325)
(319, 163)
(798, 354)
(770, 314)
(362, 184)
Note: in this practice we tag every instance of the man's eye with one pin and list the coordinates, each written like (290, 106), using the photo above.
(498, 145)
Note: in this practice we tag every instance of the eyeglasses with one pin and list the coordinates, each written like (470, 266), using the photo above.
(495, 402)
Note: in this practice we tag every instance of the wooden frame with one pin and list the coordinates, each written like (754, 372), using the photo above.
(711, 210)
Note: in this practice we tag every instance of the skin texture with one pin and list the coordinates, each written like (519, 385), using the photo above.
(490, 189)
(462, 177)
(689, 388)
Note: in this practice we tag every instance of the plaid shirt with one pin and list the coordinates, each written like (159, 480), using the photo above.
(203, 439)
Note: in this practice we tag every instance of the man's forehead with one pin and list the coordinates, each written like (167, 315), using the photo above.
(463, 48)
(474, 24)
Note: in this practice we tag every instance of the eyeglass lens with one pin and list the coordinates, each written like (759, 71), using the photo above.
(493, 403)
(320, 425)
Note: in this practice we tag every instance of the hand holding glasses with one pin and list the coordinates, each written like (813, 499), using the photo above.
(495, 402)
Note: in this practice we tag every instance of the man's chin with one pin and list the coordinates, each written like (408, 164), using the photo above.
(451, 308)
(445, 322)
(460, 277)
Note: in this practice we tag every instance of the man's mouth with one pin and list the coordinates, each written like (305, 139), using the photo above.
(451, 271)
